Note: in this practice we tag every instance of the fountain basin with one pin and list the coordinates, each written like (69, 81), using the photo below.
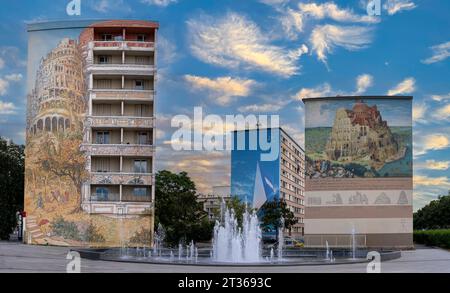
(291, 257)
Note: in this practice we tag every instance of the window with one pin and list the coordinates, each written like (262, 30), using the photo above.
(140, 166)
(107, 37)
(139, 84)
(143, 138)
(102, 165)
(141, 38)
(142, 110)
(104, 83)
(140, 191)
(103, 59)
(102, 137)
(118, 38)
(102, 193)
(141, 60)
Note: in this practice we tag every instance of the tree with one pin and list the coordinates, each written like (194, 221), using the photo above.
(177, 209)
(239, 207)
(65, 159)
(435, 215)
(273, 211)
(12, 168)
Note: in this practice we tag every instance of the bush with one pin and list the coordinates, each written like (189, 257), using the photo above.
(440, 238)
(65, 229)
(92, 235)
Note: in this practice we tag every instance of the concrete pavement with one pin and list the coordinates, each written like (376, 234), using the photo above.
(20, 258)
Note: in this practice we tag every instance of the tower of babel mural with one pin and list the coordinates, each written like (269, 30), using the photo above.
(359, 171)
(89, 149)
(361, 134)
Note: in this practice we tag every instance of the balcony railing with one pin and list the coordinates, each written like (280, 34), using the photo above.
(123, 45)
(120, 121)
(105, 197)
(122, 94)
(118, 149)
(115, 178)
(134, 69)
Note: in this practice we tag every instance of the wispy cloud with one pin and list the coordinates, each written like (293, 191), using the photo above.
(439, 53)
(222, 90)
(161, 3)
(443, 113)
(419, 111)
(293, 20)
(324, 38)
(407, 86)
(234, 41)
(106, 6)
(423, 143)
(431, 181)
(2, 63)
(264, 107)
(7, 108)
(437, 165)
(319, 91)
(394, 6)
(363, 82)
(14, 77)
(440, 98)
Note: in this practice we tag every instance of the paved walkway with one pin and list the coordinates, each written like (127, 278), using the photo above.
(15, 257)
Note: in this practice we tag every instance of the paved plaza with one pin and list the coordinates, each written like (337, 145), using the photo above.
(16, 257)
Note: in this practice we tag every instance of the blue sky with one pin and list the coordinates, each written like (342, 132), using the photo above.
(263, 56)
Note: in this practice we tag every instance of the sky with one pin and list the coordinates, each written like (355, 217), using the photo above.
(263, 57)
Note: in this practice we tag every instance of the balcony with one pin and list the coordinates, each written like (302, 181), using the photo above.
(133, 150)
(125, 69)
(115, 178)
(123, 94)
(123, 45)
(120, 121)
(117, 208)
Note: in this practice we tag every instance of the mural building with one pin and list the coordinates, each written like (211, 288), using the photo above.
(90, 132)
(359, 171)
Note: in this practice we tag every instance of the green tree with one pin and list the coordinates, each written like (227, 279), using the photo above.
(177, 209)
(273, 211)
(239, 207)
(435, 215)
(12, 168)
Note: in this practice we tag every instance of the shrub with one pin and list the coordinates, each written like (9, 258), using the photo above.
(65, 229)
(440, 238)
(92, 235)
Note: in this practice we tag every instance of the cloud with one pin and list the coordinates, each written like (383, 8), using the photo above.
(437, 165)
(442, 113)
(407, 86)
(363, 82)
(14, 77)
(161, 3)
(7, 108)
(431, 181)
(440, 98)
(436, 142)
(2, 63)
(316, 92)
(106, 6)
(395, 6)
(419, 111)
(324, 38)
(439, 53)
(223, 90)
(263, 108)
(4, 84)
(293, 20)
(167, 51)
(12, 55)
(233, 41)
(332, 11)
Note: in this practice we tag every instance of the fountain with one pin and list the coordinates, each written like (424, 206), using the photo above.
(232, 244)
(353, 243)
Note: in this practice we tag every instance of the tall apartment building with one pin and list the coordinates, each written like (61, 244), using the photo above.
(119, 133)
(89, 176)
(257, 181)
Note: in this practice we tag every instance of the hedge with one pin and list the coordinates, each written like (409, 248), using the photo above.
(439, 238)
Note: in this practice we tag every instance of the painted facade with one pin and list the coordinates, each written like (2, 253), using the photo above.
(90, 134)
(359, 171)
